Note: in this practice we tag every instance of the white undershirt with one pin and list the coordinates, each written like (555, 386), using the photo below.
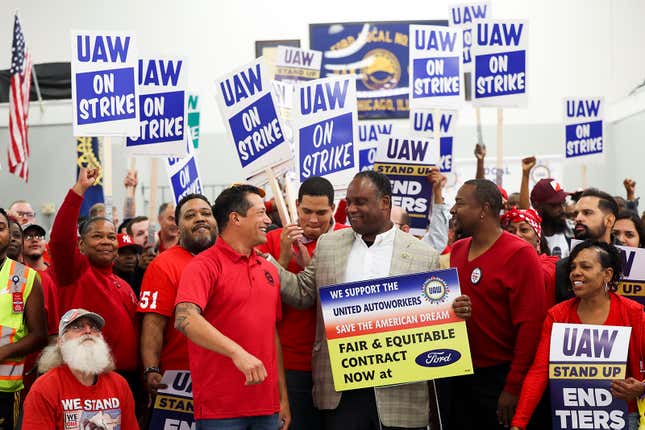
(558, 245)
(370, 262)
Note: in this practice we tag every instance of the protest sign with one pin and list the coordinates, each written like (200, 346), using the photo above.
(463, 16)
(324, 122)
(173, 406)
(193, 118)
(369, 134)
(435, 56)
(583, 123)
(395, 330)
(183, 174)
(247, 106)
(584, 358)
(104, 88)
(500, 63)
(406, 162)
(162, 108)
(423, 123)
(297, 64)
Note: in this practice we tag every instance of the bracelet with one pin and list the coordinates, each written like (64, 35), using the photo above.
(151, 370)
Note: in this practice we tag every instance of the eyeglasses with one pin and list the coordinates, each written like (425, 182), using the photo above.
(37, 237)
(26, 214)
(80, 326)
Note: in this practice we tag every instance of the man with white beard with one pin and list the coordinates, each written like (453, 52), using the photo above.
(79, 389)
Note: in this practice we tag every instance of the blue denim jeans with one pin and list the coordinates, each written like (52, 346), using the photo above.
(263, 422)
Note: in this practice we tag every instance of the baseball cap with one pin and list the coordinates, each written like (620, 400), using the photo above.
(547, 190)
(74, 314)
(33, 226)
(126, 241)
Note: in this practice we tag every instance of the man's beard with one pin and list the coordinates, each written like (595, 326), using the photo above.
(557, 225)
(588, 233)
(200, 244)
(91, 357)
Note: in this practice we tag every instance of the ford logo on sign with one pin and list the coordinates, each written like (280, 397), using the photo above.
(438, 357)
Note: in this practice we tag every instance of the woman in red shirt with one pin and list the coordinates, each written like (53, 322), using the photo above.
(594, 271)
(527, 224)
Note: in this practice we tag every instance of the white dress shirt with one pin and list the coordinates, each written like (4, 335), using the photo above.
(371, 262)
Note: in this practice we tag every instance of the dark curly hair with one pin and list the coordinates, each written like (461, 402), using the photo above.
(608, 257)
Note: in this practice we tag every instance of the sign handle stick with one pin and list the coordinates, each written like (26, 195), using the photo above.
(583, 173)
(478, 118)
(291, 195)
(107, 175)
(500, 146)
(435, 126)
(152, 209)
(277, 195)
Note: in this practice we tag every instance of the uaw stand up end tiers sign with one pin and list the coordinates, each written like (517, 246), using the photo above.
(395, 330)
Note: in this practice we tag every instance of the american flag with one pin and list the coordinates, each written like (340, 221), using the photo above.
(19, 104)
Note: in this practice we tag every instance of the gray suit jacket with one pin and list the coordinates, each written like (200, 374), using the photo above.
(398, 406)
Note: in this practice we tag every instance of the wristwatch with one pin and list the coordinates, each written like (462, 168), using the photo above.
(151, 370)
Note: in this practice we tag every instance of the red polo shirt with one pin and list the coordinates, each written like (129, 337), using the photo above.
(240, 297)
(297, 329)
(158, 293)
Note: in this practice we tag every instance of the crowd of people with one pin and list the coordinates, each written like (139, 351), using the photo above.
(93, 316)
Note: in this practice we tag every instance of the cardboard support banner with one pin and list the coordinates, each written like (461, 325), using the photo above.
(183, 174)
(297, 64)
(500, 63)
(584, 358)
(249, 112)
(435, 57)
(463, 16)
(162, 108)
(584, 128)
(104, 87)
(395, 330)
(441, 123)
(173, 406)
(406, 161)
(325, 125)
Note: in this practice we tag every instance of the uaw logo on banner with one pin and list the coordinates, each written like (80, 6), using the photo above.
(406, 162)
(378, 54)
(423, 123)
(369, 133)
(162, 108)
(297, 64)
(583, 119)
(104, 90)
(583, 361)
(173, 406)
(499, 52)
(463, 16)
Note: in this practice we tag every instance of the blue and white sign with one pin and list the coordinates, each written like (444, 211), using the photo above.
(104, 86)
(183, 173)
(324, 122)
(173, 406)
(406, 162)
(583, 360)
(463, 16)
(297, 64)
(500, 63)
(435, 60)
(439, 124)
(583, 127)
(162, 108)
(369, 134)
(249, 111)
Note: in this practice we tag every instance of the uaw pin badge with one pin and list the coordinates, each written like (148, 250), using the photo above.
(476, 275)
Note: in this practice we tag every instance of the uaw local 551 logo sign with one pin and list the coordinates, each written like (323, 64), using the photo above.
(435, 290)
(382, 70)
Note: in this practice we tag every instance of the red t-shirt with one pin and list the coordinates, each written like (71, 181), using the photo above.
(158, 293)
(548, 271)
(58, 401)
(506, 287)
(51, 302)
(240, 297)
(297, 329)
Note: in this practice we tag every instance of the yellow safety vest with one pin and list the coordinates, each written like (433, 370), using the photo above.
(14, 278)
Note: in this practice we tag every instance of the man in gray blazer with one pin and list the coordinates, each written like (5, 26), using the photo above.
(372, 248)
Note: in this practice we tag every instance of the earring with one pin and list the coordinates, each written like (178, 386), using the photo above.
(606, 287)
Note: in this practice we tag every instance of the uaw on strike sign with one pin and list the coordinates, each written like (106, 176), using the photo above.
(395, 330)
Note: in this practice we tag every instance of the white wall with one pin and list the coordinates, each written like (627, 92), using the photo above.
(590, 47)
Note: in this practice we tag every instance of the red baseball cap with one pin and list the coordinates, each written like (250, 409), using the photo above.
(126, 241)
(547, 190)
